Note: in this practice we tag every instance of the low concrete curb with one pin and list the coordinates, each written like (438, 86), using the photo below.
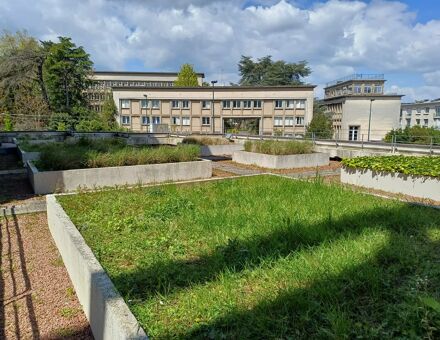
(27, 208)
(48, 182)
(281, 161)
(416, 186)
(220, 150)
(108, 314)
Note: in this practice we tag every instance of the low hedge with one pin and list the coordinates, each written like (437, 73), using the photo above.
(200, 140)
(271, 147)
(408, 165)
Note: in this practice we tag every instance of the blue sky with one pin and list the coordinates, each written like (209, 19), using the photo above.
(337, 37)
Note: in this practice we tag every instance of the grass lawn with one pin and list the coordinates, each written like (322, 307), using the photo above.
(267, 257)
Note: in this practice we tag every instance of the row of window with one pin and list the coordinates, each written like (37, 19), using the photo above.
(102, 84)
(288, 121)
(356, 89)
(226, 104)
(426, 110)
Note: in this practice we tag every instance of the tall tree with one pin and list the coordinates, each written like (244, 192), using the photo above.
(109, 111)
(266, 72)
(187, 77)
(321, 125)
(67, 71)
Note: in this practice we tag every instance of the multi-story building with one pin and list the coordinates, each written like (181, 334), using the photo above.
(104, 81)
(268, 110)
(360, 109)
(422, 113)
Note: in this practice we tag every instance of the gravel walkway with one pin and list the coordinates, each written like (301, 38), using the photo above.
(37, 299)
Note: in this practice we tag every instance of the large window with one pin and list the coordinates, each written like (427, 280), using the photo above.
(175, 120)
(144, 103)
(155, 104)
(290, 104)
(185, 104)
(247, 104)
(236, 104)
(278, 104)
(125, 120)
(156, 120)
(367, 89)
(353, 132)
(301, 104)
(186, 121)
(175, 104)
(226, 104)
(145, 120)
(357, 89)
(206, 120)
(278, 121)
(206, 104)
(257, 104)
(288, 121)
(378, 89)
(125, 103)
(299, 120)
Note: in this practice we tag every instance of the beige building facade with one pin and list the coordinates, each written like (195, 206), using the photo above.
(422, 113)
(359, 108)
(279, 110)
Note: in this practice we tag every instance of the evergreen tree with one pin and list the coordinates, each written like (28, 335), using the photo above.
(321, 124)
(109, 112)
(266, 72)
(187, 77)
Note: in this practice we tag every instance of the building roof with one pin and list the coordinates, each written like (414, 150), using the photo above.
(217, 88)
(356, 76)
(143, 73)
(354, 96)
(424, 102)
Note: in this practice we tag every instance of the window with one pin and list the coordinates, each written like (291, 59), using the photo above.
(357, 89)
(247, 104)
(175, 120)
(156, 120)
(155, 104)
(278, 104)
(353, 132)
(257, 104)
(226, 104)
(185, 104)
(125, 103)
(144, 103)
(301, 104)
(408, 121)
(426, 109)
(145, 120)
(125, 120)
(236, 104)
(278, 121)
(299, 120)
(186, 121)
(378, 89)
(175, 104)
(418, 121)
(290, 104)
(206, 104)
(425, 122)
(288, 121)
(206, 120)
(367, 89)
(437, 111)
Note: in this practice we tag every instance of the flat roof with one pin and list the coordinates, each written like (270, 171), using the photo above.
(143, 73)
(366, 97)
(434, 101)
(217, 88)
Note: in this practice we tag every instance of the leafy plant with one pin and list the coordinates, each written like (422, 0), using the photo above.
(278, 147)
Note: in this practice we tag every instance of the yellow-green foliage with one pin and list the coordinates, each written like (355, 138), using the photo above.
(278, 147)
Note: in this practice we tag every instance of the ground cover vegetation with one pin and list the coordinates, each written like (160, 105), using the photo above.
(267, 257)
(272, 147)
(202, 140)
(408, 165)
(86, 153)
(415, 134)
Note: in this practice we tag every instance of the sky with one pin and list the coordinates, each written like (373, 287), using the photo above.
(337, 37)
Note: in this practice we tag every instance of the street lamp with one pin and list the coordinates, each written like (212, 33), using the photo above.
(369, 118)
(213, 82)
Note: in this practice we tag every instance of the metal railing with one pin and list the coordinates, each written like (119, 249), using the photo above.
(356, 76)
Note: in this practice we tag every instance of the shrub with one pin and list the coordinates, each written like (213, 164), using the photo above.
(278, 147)
(415, 134)
(200, 140)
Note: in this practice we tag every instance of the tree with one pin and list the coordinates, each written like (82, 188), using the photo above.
(109, 112)
(321, 125)
(266, 72)
(187, 77)
(416, 134)
(67, 71)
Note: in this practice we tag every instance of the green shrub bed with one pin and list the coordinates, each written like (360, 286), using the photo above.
(278, 147)
(266, 257)
(86, 153)
(200, 140)
(409, 165)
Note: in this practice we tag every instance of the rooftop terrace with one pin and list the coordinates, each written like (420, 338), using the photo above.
(356, 76)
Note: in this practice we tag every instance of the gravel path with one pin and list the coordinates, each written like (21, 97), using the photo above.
(37, 299)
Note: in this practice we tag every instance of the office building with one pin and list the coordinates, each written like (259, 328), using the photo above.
(424, 113)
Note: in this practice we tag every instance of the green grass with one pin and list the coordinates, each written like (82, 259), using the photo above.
(271, 147)
(201, 140)
(409, 165)
(267, 257)
(113, 152)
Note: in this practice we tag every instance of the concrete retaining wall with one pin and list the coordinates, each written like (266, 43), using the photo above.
(27, 156)
(281, 161)
(416, 186)
(109, 316)
(220, 150)
(47, 182)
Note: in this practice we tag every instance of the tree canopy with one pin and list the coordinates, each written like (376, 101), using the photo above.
(187, 77)
(321, 125)
(266, 72)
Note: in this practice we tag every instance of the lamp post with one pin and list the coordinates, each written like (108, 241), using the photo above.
(369, 118)
(213, 82)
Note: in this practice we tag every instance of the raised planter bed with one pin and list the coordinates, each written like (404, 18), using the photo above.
(45, 182)
(27, 156)
(281, 161)
(108, 314)
(412, 185)
(220, 150)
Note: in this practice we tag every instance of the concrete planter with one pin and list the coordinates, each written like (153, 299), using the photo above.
(416, 186)
(281, 161)
(220, 150)
(47, 182)
(27, 156)
(108, 314)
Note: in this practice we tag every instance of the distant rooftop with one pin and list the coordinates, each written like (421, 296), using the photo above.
(356, 76)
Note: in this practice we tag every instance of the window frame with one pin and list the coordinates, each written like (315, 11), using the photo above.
(124, 102)
(206, 104)
(186, 121)
(277, 119)
(228, 106)
(175, 104)
(147, 119)
(234, 102)
(208, 119)
(259, 105)
(299, 121)
(185, 104)
(289, 119)
(278, 101)
(128, 118)
(154, 119)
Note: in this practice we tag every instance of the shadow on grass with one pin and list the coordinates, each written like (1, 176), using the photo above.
(361, 300)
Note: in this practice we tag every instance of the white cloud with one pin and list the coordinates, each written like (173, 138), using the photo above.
(337, 37)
